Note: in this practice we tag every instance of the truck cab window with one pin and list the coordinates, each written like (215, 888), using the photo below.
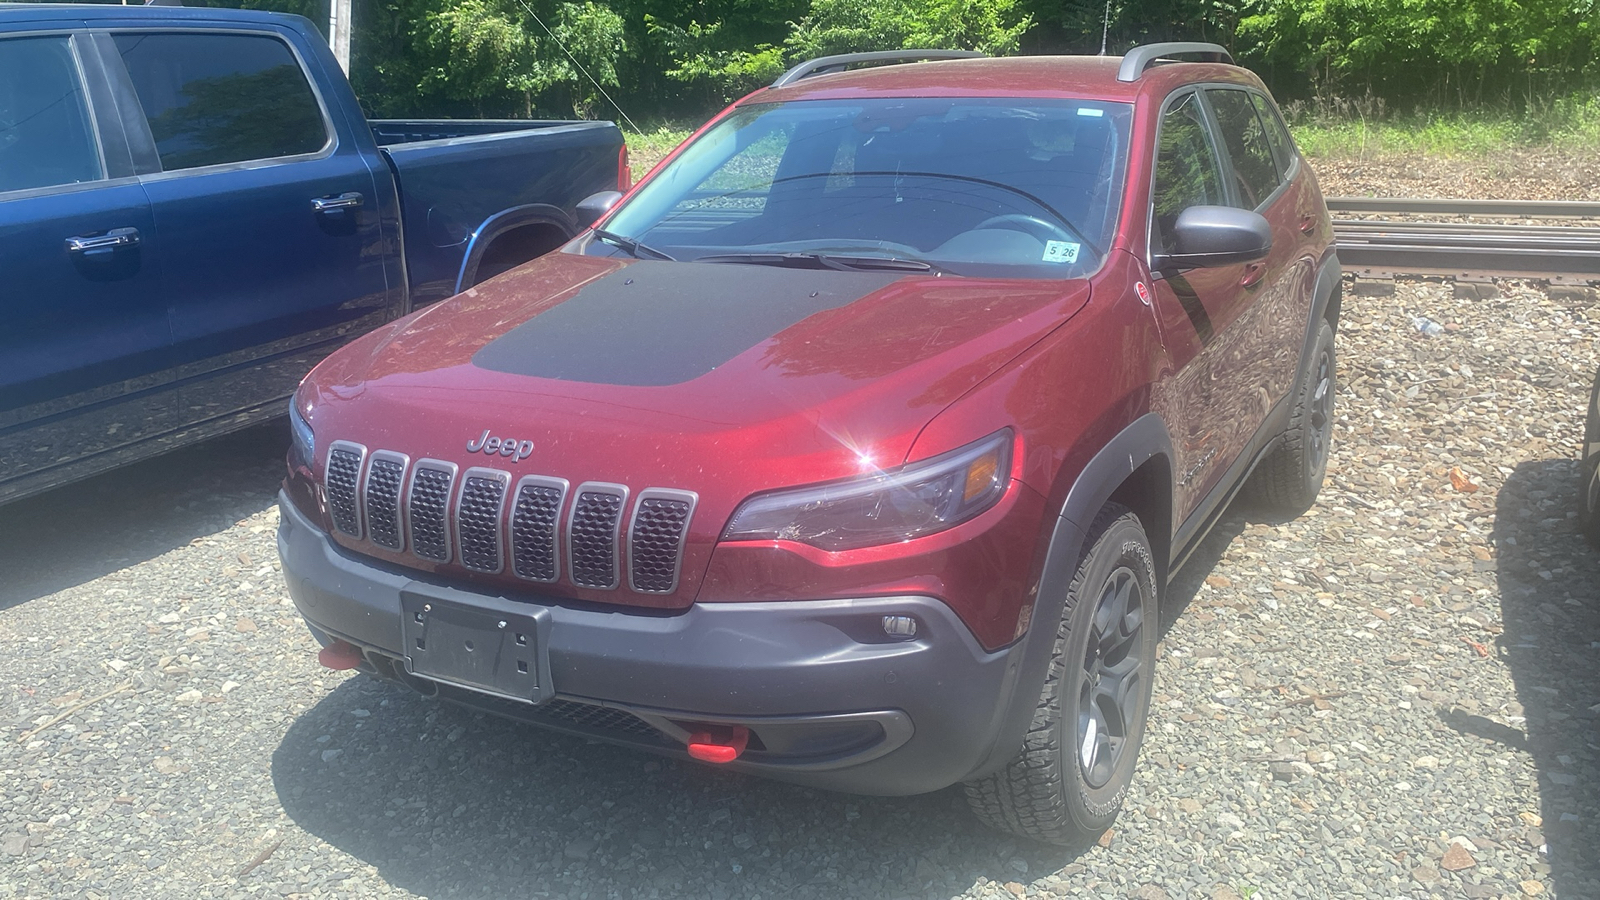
(46, 137)
(222, 98)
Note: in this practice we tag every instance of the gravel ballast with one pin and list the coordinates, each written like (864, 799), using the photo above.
(1395, 695)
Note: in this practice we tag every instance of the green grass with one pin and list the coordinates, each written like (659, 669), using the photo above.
(646, 148)
(1347, 130)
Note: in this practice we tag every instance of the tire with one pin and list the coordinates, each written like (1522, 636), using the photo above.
(1289, 478)
(1589, 466)
(1047, 793)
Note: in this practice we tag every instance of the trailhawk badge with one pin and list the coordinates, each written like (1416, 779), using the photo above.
(492, 446)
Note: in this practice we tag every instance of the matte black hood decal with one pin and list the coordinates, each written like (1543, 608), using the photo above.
(660, 323)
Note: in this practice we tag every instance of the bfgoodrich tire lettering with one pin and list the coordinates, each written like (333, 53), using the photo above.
(1290, 477)
(1072, 772)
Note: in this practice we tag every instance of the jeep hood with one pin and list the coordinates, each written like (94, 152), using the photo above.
(720, 379)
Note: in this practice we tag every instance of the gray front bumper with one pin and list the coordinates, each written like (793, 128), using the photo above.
(835, 703)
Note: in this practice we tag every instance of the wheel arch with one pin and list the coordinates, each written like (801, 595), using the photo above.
(503, 224)
(1134, 468)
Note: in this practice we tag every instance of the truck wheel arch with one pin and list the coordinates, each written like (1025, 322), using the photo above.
(512, 236)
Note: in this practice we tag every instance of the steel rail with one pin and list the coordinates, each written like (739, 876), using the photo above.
(1566, 255)
(1514, 209)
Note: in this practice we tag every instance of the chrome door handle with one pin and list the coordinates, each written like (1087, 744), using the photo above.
(347, 200)
(111, 240)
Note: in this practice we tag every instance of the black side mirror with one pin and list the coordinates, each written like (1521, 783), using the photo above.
(1215, 236)
(592, 207)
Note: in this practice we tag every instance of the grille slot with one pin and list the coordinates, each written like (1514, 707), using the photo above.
(483, 494)
(655, 539)
(535, 516)
(386, 475)
(427, 507)
(592, 533)
(344, 472)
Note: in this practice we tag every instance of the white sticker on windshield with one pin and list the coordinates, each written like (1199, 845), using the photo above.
(1060, 252)
(1087, 111)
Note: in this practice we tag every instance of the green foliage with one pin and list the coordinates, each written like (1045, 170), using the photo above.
(700, 53)
(845, 26)
(676, 60)
(485, 57)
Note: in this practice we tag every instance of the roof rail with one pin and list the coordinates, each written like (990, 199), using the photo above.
(824, 65)
(1135, 61)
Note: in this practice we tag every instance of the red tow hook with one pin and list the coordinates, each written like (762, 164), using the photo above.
(340, 655)
(722, 747)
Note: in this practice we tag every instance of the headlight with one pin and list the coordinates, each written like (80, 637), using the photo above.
(304, 439)
(919, 499)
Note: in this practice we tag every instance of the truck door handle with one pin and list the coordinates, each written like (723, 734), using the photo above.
(114, 239)
(347, 200)
(1252, 274)
(1308, 224)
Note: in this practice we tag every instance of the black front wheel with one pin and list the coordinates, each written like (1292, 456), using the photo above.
(1073, 770)
(1289, 478)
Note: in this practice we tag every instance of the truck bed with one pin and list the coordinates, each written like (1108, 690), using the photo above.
(454, 174)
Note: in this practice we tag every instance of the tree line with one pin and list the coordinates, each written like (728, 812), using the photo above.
(675, 61)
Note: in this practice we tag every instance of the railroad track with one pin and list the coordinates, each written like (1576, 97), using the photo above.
(1562, 250)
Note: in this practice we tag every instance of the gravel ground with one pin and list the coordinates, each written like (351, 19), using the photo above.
(1396, 695)
(1515, 174)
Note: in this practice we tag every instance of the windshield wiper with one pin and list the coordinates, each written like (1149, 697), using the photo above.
(825, 261)
(636, 249)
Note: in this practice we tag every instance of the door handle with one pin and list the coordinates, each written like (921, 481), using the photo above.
(114, 239)
(347, 200)
(1252, 274)
(1308, 224)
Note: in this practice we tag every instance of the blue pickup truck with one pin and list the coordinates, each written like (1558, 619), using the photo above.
(194, 210)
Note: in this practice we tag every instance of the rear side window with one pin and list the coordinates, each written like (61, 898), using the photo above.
(222, 98)
(1277, 135)
(1186, 169)
(46, 137)
(1255, 172)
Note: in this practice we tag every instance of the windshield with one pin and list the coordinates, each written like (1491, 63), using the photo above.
(986, 187)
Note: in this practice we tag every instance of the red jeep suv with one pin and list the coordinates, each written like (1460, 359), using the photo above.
(856, 446)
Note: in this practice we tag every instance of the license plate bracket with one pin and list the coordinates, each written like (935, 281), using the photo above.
(485, 644)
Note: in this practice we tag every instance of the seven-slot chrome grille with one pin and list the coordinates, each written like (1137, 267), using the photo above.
(535, 527)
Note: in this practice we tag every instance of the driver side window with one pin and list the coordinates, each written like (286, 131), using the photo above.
(1186, 172)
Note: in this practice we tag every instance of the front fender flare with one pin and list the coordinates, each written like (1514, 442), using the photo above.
(1144, 439)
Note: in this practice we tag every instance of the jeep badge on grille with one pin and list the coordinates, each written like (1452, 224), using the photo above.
(491, 446)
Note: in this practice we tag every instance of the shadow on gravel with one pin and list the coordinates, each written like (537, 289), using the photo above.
(80, 532)
(451, 803)
(1549, 582)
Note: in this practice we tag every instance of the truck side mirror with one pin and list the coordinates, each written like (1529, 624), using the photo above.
(592, 207)
(1206, 236)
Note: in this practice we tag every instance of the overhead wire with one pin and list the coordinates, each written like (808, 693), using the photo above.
(614, 103)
